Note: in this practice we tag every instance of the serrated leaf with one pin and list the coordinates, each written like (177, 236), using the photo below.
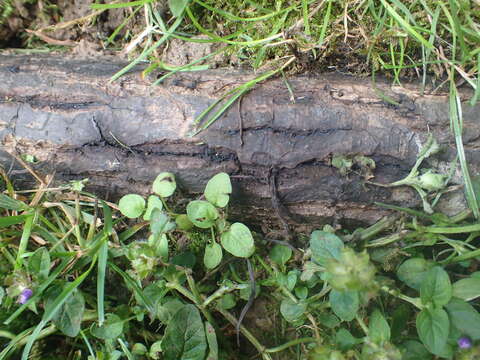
(238, 241)
(436, 287)
(433, 327)
(325, 246)
(184, 337)
(218, 190)
(213, 255)
(131, 205)
(344, 304)
(202, 213)
(164, 184)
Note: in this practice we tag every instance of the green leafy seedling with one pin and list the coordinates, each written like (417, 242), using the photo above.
(132, 205)
(238, 241)
(218, 190)
(164, 185)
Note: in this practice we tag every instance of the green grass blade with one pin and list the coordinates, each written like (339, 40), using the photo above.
(122, 25)
(326, 21)
(12, 220)
(457, 124)
(6, 202)
(120, 5)
(55, 306)
(405, 25)
(102, 266)
(27, 229)
(476, 95)
(130, 282)
(148, 50)
(125, 350)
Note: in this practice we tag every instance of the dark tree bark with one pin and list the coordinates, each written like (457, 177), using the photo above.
(121, 135)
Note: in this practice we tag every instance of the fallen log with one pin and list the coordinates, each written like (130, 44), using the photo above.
(276, 146)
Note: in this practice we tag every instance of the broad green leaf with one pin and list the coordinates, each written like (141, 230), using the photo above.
(412, 272)
(162, 248)
(291, 310)
(111, 329)
(185, 259)
(177, 6)
(414, 350)
(467, 289)
(167, 309)
(131, 205)
(238, 241)
(39, 263)
(344, 304)
(464, 317)
(153, 202)
(68, 319)
(202, 213)
(378, 328)
(164, 185)
(218, 190)
(325, 246)
(213, 255)
(160, 222)
(184, 337)
(183, 223)
(280, 254)
(433, 327)
(212, 342)
(345, 340)
(436, 287)
(228, 301)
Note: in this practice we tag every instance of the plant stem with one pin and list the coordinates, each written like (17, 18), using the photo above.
(289, 344)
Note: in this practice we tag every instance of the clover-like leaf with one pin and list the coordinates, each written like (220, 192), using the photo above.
(131, 205)
(238, 241)
(202, 213)
(153, 202)
(218, 190)
(164, 185)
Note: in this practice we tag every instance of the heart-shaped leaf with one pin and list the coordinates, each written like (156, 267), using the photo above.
(218, 190)
(164, 185)
(201, 213)
(238, 241)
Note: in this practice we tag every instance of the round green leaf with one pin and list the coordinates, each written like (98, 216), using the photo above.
(344, 304)
(153, 202)
(111, 329)
(218, 189)
(412, 272)
(292, 311)
(131, 205)
(280, 254)
(325, 246)
(213, 255)
(201, 213)
(238, 241)
(164, 185)
(467, 289)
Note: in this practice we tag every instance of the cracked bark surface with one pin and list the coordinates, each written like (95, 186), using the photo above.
(121, 135)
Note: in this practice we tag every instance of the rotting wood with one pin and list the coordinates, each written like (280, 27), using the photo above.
(121, 135)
